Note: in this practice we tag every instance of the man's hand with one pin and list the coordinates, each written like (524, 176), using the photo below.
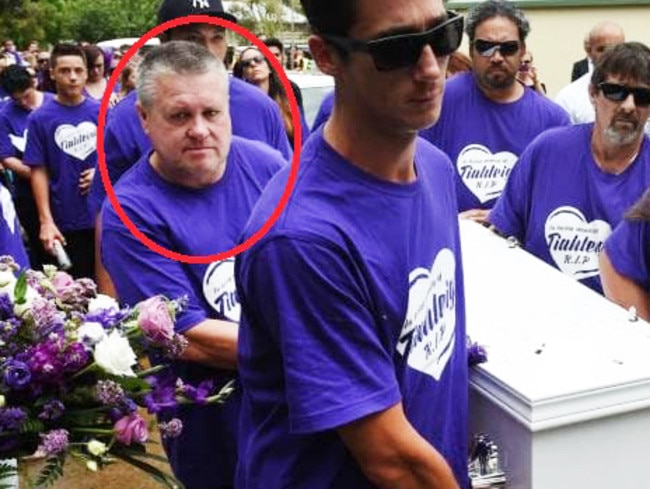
(85, 180)
(48, 234)
(477, 215)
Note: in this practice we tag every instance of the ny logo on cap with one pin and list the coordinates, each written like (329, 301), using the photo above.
(200, 4)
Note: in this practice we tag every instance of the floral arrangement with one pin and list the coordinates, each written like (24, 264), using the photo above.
(74, 380)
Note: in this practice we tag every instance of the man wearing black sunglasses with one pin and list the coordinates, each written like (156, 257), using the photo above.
(488, 117)
(352, 341)
(573, 185)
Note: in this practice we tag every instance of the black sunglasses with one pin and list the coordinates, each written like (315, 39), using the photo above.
(255, 60)
(402, 50)
(488, 48)
(617, 93)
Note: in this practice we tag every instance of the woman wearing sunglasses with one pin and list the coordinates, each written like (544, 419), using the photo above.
(254, 68)
(625, 261)
(96, 83)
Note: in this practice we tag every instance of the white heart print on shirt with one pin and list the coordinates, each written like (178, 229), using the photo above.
(483, 173)
(429, 330)
(77, 141)
(575, 243)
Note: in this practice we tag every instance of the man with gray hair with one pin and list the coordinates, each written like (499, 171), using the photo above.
(192, 194)
(572, 185)
(488, 117)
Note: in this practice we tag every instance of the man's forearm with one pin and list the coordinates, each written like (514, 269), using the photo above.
(17, 166)
(392, 454)
(213, 343)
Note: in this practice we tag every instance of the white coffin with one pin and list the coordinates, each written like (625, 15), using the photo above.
(565, 393)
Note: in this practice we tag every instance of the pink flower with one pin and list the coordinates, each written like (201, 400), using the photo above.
(156, 321)
(131, 428)
(62, 281)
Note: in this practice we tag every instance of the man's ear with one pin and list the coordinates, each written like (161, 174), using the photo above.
(325, 55)
(143, 116)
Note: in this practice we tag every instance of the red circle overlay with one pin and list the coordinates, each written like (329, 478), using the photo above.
(101, 154)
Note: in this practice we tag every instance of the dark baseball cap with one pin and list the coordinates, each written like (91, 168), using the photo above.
(173, 9)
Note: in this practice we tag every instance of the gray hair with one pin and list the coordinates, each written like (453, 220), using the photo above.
(496, 8)
(175, 58)
(629, 60)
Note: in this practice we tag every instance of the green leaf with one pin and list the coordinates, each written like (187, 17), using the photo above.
(20, 290)
(50, 473)
(7, 471)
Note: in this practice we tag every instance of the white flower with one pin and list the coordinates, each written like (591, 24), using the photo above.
(30, 295)
(91, 333)
(2, 401)
(96, 448)
(92, 465)
(115, 355)
(7, 282)
(103, 303)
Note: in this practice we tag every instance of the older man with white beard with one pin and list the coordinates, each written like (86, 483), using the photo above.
(572, 185)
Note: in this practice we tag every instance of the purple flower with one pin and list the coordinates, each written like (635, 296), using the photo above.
(53, 442)
(11, 419)
(15, 375)
(47, 318)
(476, 354)
(162, 395)
(131, 428)
(52, 410)
(198, 394)
(156, 321)
(75, 357)
(109, 393)
(171, 429)
(45, 362)
(106, 317)
(6, 307)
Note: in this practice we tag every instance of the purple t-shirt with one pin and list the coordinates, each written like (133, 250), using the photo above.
(64, 140)
(192, 222)
(13, 137)
(561, 206)
(11, 242)
(628, 249)
(254, 116)
(351, 303)
(324, 111)
(484, 138)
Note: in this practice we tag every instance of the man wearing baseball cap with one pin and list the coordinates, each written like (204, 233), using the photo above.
(254, 115)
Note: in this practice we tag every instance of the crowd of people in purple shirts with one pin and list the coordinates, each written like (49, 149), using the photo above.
(344, 325)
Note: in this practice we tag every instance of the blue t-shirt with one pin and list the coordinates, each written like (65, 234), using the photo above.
(11, 242)
(64, 140)
(193, 222)
(351, 303)
(628, 249)
(13, 137)
(561, 206)
(484, 138)
(254, 116)
(324, 111)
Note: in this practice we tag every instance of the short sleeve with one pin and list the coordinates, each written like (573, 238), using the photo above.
(314, 301)
(627, 249)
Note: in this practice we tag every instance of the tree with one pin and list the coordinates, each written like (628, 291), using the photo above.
(259, 16)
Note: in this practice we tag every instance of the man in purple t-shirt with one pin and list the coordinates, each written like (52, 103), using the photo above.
(488, 117)
(24, 99)
(352, 340)
(193, 195)
(573, 185)
(254, 115)
(61, 150)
